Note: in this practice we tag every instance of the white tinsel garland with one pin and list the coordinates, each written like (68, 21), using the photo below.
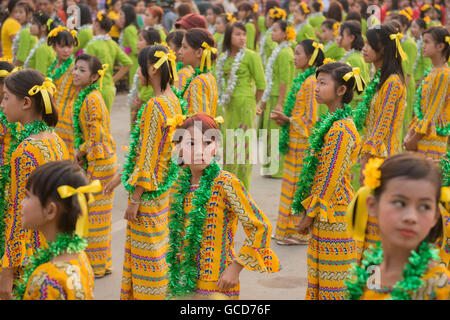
(225, 94)
(262, 44)
(269, 69)
(133, 91)
(15, 44)
(347, 54)
(299, 27)
(419, 52)
(31, 54)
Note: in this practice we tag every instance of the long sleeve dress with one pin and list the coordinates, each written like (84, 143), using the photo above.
(201, 95)
(304, 115)
(183, 75)
(128, 43)
(229, 204)
(333, 51)
(102, 165)
(85, 35)
(331, 248)
(144, 269)
(41, 58)
(251, 35)
(25, 42)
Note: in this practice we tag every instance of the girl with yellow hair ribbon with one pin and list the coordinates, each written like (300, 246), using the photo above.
(301, 24)
(35, 145)
(95, 152)
(330, 31)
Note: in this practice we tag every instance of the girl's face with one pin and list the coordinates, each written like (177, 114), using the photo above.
(175, 49)
(34, 29)
(149, 19)
(327, 34)
(406, 211)
(298, 15)
(292, 5)
(141, 42)
(357, 7)
(415, 30)
(301, 59)
(344, 39)
(242, 15)
(116, 7)
(20, 15)
(197, 149)
(278, 35)
(238, 38)
(188, 55)
(369, 54)
(210, 16)
(220, 25)
(140, 7)
(58, 5)
(429, 47)
(121, 21)
(326, 91)
(63, 52)
(82, 75)
(32, 212)
(12, 106)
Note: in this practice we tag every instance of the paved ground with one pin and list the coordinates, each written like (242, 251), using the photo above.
(289, 283)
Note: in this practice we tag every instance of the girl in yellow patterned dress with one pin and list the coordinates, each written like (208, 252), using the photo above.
(174, 40)
(324, 190)
(24, 102)
(428, 134)
(63, 41)
(200, 91)
(296, 125)
(148, 174)
(405, 193)
(5, 126)
(95, 150)
(205, 206)
(51, 207)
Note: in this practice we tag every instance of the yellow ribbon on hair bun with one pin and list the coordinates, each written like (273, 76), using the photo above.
(358, 80)
(397, 37)
(45, 89)
(170, 58)
(206, 55)
(336, 26)
(318, 46)
(5, 73)
(101, 72)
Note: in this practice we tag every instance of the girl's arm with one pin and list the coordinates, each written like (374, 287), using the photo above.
(303, 120)
(257, 72)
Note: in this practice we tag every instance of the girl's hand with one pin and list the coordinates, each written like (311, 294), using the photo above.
(260, 110)
(279, 107)
(131, 213)
(411, 140)
(6, 283)
(279, 117)
(230, 276)
(304, 227)
(79, 157)
(111, 185)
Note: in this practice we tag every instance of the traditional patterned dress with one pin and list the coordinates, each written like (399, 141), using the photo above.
(304, 115)
(31, 153)
(240, 112)
(331, 249)
(42, 58)
(436, 287)
(10, 27)
(145, 269)
(25, 42)
(62, 280)
(65, 97)
(230, 203)
(102, 165)
(183, 75)
(201, 96)
(5, 138)
(435, 106)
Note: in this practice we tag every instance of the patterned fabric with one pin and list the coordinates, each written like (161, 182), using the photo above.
(102, 165)
(304, 115)
(29, 155)
(201, 96)
(145, 269)
(65, 97)
(230, 203)
(435, 106)
(5, 140)
(68, 280)
(444, 248)
(372, 236)
(183, 75)
(436, 287)
(331, 249)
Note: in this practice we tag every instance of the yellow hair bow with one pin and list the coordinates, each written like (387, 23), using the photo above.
(406, 14)
(170, 58)
(304, 7)
(358, 80)
(318, 46)
(328, 60)
(255, 7)
(230, 18)
(425, 7)
(437, 7)
(101, 72)
(46, 88)
(277, 13)
(73, 33)
(396, 37)
(68, 191)
(206, 55)
(356, 215)
(336, 26)
(5, 73)
(100, 15)
(447, 39)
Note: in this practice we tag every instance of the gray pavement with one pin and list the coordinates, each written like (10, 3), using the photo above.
(289, 283)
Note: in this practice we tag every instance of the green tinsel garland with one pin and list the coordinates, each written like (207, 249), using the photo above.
(363, 107)
(412, 272)
(65, 243)
(130, 163)
(289, 106)
(179, 66)
(56, 74)
(311, 162)
(180, 94)
(12, 127)
(445, 131)
(5, 172)
(183, 274)
(445, 168)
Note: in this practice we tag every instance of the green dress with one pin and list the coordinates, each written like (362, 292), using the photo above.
(315, 20)
(410, 48)
(85, 35)
(108, 51)
(26, 42)
(262, 24)
(421, 64)
(304, 31)
(251, 35)
(333, 51)
(128, 43)
(357, 61)
(268, 45)
(42, 58)
(283, 72)
(218, 38)
(240, 113)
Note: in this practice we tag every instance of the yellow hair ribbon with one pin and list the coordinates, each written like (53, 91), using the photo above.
(46, 88)
(206, 56)
(336, 26)
(396, 37)
(5, 73)
(405, 14)
(358, 80)
(170, 58)
(425, 7)
(49, 22)
(230, 18)
(219, 119)
(328, 60)
(100, 15)
(73, 33)
(438, 7)
(318, 46)
(447, 39)
(101, 72)
(68, 191)
(356, 214)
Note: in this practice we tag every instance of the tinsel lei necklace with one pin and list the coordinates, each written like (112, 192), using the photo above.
(412, 275)
(28, 130)
(65, 243)
(183, 274)
(56, 74)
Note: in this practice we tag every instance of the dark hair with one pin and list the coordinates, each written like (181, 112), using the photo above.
(195, 38)
(307, 45)
(176, 37)
(334, 11)
(353, 16)
(130, 16)
(106, 23)
(147, 56)
(282, 23)
(109, 6)
(438, 34)
(11, 5)
(85, 15)
(5, 65)
(421, 23)
(44, 182)
(228, 32)
(329, 23)
(344, 4)
(270, 4)
(63, 38)
(364, 14)
(378, 39)
(353, 29)
(184, 9)
(41, 18)
(404, 21)
(317, 6)
(394, 5)
(20, 82)
(337, 70)
(414, 167)
(300, 7)
(94, 63)
(248, 7)
(28, 9)
(217, 9)
(396, 25)
(151, 36)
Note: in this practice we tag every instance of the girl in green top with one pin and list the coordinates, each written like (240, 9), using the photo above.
(421, 63)
(241, 82)
(212, 13)
(245, 15)
(316, 17)
(23, 41)
(330, 30)
(153, 18)
(301, 25)
(129, 37)
(41, 56)
(85, 33)
(221, 24)
(266, 44)
(108, 51)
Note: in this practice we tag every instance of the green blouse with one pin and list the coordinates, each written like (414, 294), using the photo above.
(218, 38)
(283, 71)
(262, 24)
(316, 22)
(410, 48)
(84, 36)
(162, 34)
(422, 65)
(333, 51)
(306, 32)
(43, 57)
(26, 42)
(251, 35)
